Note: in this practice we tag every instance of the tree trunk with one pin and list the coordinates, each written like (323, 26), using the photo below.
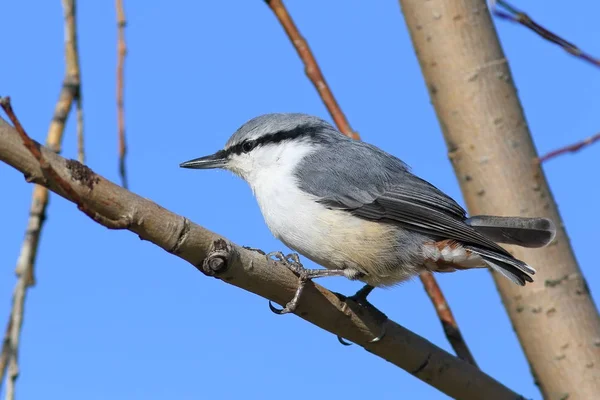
(494, 158)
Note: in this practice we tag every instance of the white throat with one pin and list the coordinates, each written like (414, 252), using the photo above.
(273, 165)
(275, 186)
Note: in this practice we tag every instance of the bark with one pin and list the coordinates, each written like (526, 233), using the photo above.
(494, 158)
(250, 270)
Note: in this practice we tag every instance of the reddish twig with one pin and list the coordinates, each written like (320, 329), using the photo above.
(121, 53)
(511, 13)
(315, 75)
(572, 148)
(311, 67)
(53, 176)
(447, 318)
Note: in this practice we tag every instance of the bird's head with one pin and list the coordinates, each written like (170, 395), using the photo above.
(268, 143)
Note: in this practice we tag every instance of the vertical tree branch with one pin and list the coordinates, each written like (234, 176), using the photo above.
(491, 149)
(37, 213)
(73, 70)
(311, 67)
(80, 141)
(121, 53)
(315, 75)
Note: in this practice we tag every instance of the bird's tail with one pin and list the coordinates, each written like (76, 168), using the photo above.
(515, 270)
(520, 231)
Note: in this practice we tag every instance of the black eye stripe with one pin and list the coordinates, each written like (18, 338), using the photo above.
(303, 130)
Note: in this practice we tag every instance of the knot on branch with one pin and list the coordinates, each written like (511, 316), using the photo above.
(82, 174)
(218, 258)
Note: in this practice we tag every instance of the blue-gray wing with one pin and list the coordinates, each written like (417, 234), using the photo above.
(374, 185)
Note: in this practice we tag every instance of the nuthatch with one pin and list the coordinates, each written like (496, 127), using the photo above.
(359, 212)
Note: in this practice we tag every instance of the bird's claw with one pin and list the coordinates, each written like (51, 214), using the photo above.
(360, 297)
(343, 341)
(374, 340)
(291, 262)
(280, 311)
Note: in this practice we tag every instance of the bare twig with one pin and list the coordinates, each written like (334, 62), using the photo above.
(5, 354)
(73, 70)
(445, 315)
(80, 141)
(70, 92)
(121, 53)
(314, 74)
(311, 67)
(572, 148)
(513, 14)
(215, 256)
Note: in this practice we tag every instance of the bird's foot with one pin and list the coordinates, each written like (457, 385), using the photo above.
(292, 262)
(360, 297)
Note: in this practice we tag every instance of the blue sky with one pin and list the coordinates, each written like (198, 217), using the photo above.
(115, 317)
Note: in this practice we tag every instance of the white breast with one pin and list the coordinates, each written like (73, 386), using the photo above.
(331, 238)
(293, 216)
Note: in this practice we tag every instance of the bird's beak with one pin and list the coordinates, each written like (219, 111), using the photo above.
(217, 160)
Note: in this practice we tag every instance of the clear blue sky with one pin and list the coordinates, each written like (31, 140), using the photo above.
(115, 317)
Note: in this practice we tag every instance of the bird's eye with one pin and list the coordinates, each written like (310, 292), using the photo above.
(248, 146)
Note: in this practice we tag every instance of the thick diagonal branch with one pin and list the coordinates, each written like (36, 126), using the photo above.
(250, 270)
(313, 71)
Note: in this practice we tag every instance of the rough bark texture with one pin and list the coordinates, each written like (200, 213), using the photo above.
(250, 270)
(494, 158)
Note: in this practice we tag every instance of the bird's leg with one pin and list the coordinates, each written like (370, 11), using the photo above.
(292, 262)
(360, 297)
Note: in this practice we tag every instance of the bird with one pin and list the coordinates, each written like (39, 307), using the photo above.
(359, 211)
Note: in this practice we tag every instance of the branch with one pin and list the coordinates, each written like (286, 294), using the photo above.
(70, 92)
(73, 70)
(491, 150)
(313, 72)
(446, 317)
(511, 13)
(121, 53)
(572, 148)
(250, 270)
(311, 67)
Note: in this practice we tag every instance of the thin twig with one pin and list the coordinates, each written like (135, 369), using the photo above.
(315, 75)
(311, 67)
(121, 53)
(80, 141)
(513, 14)
(73, 70)
(69, 93)
(447, 318)
(250, 270)
(5, 354)
(572, 148)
